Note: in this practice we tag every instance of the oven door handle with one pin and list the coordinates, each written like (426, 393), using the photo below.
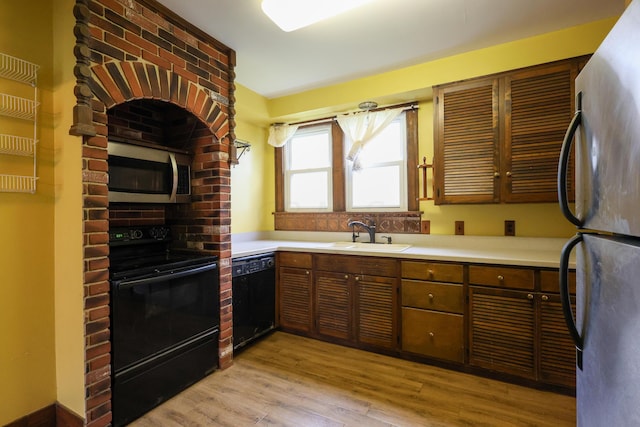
(187, 271)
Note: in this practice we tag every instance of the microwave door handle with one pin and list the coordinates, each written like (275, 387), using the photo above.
(174, 177)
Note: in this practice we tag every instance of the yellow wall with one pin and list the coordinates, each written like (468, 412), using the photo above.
(414, 83)
(41, 290)
(69, 290)
(252, 180)
(27, 345)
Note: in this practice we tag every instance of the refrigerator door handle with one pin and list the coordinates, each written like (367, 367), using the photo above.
(563, 164)
(565, 298)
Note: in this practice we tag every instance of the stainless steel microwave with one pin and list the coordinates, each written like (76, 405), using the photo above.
(140, 174)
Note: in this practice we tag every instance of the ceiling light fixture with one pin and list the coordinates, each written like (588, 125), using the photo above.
(290, 15)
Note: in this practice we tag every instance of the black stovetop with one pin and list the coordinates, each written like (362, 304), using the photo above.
(143, 251)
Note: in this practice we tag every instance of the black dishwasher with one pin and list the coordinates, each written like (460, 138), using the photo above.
(254, 298)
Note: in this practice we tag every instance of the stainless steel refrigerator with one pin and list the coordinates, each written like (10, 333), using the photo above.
(606, 135)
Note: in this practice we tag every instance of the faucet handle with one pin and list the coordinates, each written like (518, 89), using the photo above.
(388, 239)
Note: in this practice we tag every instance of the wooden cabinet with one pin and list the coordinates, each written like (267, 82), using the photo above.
(333, 298)
(517, 327)
(497, 138)
(504, 319)
(502, 330)
(295, 281)
(376, 301)
(557, 353)
(433, 311)
(356, 299)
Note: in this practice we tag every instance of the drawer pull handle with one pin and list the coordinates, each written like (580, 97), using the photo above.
(529, 296)
(500, 277)
(430, 296)
(430, 273)
(545, 298)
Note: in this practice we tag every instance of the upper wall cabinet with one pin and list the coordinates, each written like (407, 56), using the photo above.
(498, 138)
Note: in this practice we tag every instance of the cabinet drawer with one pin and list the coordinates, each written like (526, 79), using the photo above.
(503, 277)
(439, 272)
(433, 334)
(550, 279)
(432, 296)
(294, 259)
(373, 266)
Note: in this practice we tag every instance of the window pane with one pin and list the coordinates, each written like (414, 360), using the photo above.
(376, 187)
(309, 190)
(387, 146)
(310, 151)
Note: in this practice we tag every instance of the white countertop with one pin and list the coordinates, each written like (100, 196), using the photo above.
(517, 251)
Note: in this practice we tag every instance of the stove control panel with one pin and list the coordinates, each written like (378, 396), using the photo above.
(139, 234)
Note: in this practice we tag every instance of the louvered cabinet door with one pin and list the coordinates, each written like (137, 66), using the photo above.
(376, 300)
(557, 351)
(538, 109)
(502, 330)
(467, 136)
(294, 299)
(333, 304)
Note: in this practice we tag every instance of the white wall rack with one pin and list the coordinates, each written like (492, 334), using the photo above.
(15, 107)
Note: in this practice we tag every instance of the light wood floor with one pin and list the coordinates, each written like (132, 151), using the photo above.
(286, 380)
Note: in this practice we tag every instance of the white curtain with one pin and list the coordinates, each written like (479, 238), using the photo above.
(361, 127)
(280, 133)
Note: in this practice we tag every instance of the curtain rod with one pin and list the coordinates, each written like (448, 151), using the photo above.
(408, 106)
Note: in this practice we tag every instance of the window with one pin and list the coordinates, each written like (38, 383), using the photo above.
(308, 176)
(381, 183)
(314, 178)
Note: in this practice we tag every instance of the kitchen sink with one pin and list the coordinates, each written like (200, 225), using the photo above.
(369, 247)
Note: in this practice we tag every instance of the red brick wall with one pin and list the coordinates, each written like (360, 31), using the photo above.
(141, 51)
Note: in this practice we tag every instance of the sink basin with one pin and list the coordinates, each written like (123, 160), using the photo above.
(369, 247)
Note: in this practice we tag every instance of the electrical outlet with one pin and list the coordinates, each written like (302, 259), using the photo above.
(459, 228)
(425, 227)
(509, 227)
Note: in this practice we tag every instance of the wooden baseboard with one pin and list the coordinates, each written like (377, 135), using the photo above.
(67, 418)
(55, 415)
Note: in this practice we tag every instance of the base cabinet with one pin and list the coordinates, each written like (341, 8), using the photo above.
(346, 299)
(433, 334)
(295, 290)
(333, 299)
(516, 324)
(375, 311)
(432, 310)
(502, 331)
(502, 319)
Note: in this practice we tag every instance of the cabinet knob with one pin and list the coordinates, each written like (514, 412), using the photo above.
(529, 296)
(430, 273)
(357, 278)
(430, 296)
(431, 334)
(346, 276)
(509, 173)
(545, 298)
(501, 277)
(306, 272)
(496, 174)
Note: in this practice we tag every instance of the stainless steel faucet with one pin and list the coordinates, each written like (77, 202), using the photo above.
(370, 228)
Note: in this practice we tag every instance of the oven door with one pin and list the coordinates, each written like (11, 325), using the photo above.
(153, 314)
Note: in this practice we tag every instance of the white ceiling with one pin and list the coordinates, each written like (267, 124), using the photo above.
(382, 36)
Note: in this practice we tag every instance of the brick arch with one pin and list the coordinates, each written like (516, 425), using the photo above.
(122, 81)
